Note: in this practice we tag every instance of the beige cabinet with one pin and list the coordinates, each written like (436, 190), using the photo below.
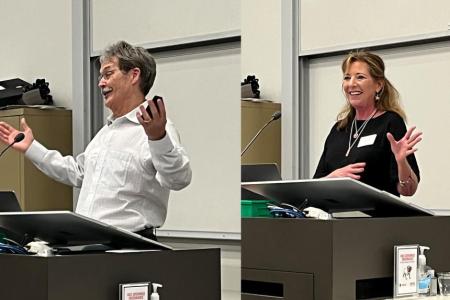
(267, 147)
(36, 191)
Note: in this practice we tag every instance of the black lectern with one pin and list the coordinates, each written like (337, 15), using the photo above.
(185, 274)
(346, 258)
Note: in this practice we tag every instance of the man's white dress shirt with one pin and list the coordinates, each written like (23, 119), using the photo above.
(125, 178)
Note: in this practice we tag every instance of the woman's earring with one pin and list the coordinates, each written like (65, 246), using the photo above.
(377, 96)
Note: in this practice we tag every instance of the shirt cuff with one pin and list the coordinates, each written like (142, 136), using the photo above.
(36, 151)
(161, 146)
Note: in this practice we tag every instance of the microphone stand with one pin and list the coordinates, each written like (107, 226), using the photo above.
(275, 116)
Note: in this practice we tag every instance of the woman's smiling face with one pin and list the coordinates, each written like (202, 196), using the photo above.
(359, 86)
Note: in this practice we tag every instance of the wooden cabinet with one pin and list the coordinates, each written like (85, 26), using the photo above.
(267, 147)
(36, 191)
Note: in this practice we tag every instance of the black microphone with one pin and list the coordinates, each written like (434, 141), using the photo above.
(275, 116)
(18, 138)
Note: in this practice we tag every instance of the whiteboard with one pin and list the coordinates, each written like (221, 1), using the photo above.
(421, 74)
(143, 21)
(330, 23)
(201, 91)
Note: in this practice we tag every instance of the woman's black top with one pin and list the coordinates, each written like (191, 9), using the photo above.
(381, 168)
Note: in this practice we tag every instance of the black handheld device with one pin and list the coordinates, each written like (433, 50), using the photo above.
(155, 99)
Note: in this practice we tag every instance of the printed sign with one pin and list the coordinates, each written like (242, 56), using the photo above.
(134, 291)
(405, 270)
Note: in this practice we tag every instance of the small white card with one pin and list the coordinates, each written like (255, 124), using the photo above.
(134, 291)
(405, 270)
(367, 140)
(1, 88)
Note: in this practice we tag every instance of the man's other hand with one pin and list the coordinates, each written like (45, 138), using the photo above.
(155, 126)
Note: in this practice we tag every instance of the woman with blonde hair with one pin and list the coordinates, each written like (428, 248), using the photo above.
(369, 141)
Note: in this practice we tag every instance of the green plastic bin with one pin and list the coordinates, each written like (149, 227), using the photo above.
(255, 209)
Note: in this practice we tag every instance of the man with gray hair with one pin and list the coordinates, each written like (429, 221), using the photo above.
(128, 169)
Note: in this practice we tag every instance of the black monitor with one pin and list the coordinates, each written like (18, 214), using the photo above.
(9, 202)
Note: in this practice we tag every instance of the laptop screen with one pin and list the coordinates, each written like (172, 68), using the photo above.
(9, 202)
(258, 172)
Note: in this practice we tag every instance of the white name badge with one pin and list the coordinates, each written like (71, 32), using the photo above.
(367, 140)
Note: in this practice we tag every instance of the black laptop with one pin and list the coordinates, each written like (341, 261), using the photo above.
(9, 202)
(258, 172)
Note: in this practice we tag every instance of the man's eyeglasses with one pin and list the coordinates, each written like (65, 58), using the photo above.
(106, 75)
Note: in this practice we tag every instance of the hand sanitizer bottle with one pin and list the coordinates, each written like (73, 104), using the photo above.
(155, 295)
(433, 283)
(424, 280)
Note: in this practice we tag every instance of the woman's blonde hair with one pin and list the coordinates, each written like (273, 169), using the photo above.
(389, 96)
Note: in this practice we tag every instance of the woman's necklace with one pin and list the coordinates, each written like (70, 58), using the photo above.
(354, 123)
(358, 131)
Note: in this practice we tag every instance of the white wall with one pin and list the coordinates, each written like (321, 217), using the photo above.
(330, 23)
(36, 43)
(160, 20)
(261, 45)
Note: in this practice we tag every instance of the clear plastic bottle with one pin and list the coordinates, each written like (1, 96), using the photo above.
(433, 283)
(423, 279)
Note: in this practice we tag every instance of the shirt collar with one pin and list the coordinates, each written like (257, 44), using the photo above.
(131, 116)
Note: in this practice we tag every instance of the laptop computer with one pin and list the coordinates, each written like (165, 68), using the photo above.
(258, 172)
(9, 202)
